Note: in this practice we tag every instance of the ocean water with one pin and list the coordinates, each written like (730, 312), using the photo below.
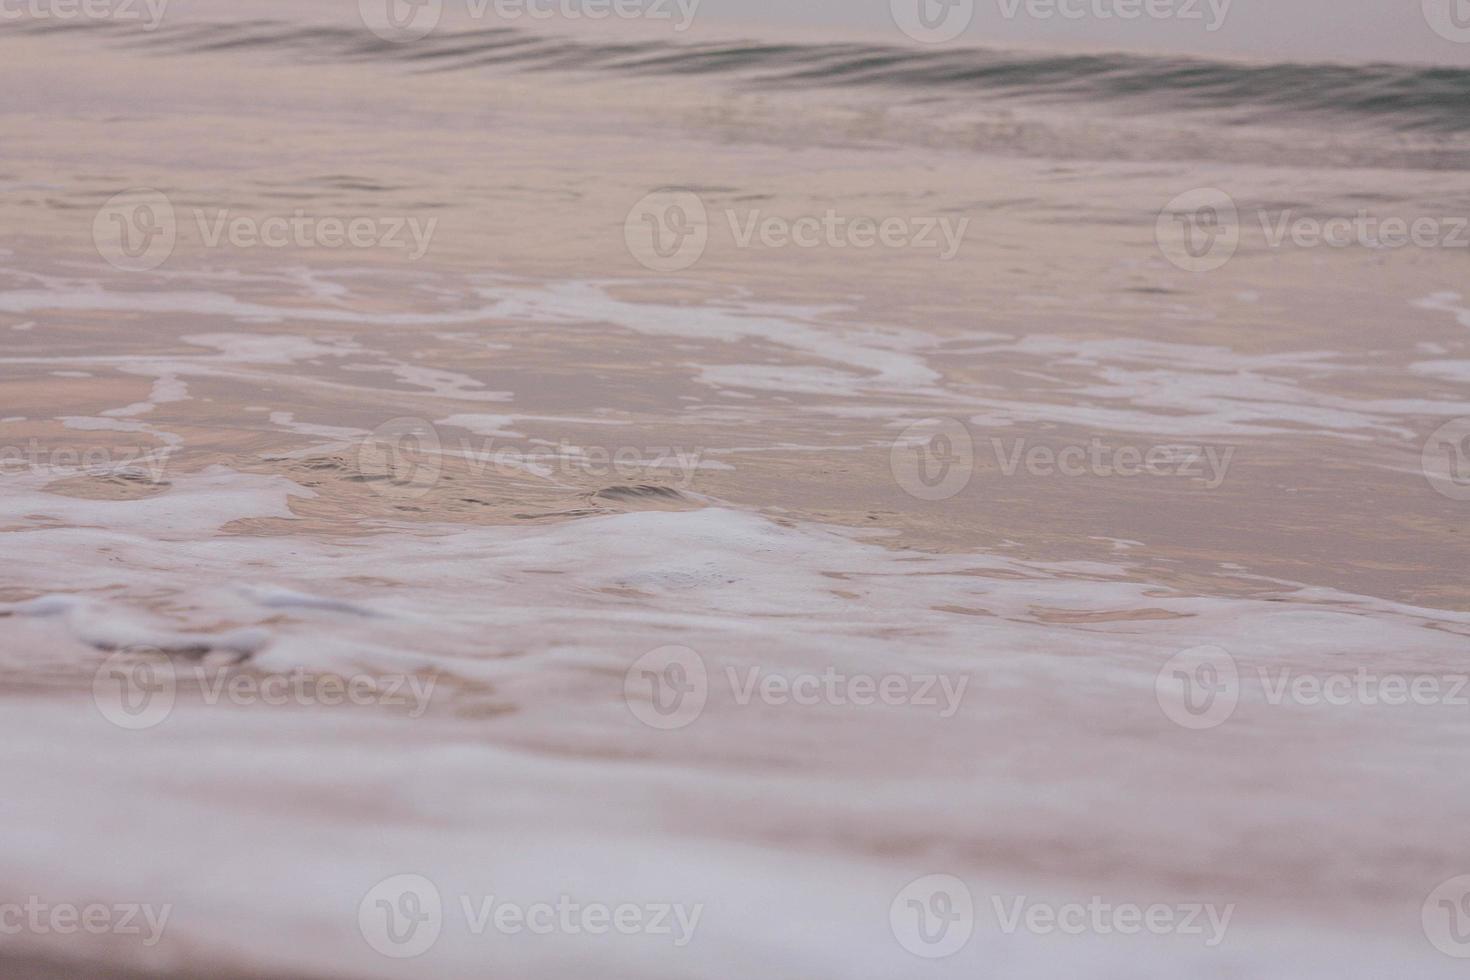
(545, 498)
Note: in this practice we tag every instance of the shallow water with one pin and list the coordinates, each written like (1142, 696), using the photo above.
(654, 582)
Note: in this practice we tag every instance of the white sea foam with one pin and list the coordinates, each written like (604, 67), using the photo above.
(1446, 302)
(885, 355)
(484, 425)
(530, 629)
(166, 390)
(1129, 385)
(533, 774)
(1450, 370)
(726, 574)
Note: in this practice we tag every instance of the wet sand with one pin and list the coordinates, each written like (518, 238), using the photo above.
(521, 462)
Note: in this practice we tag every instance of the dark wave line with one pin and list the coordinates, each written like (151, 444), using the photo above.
(1405, 98)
